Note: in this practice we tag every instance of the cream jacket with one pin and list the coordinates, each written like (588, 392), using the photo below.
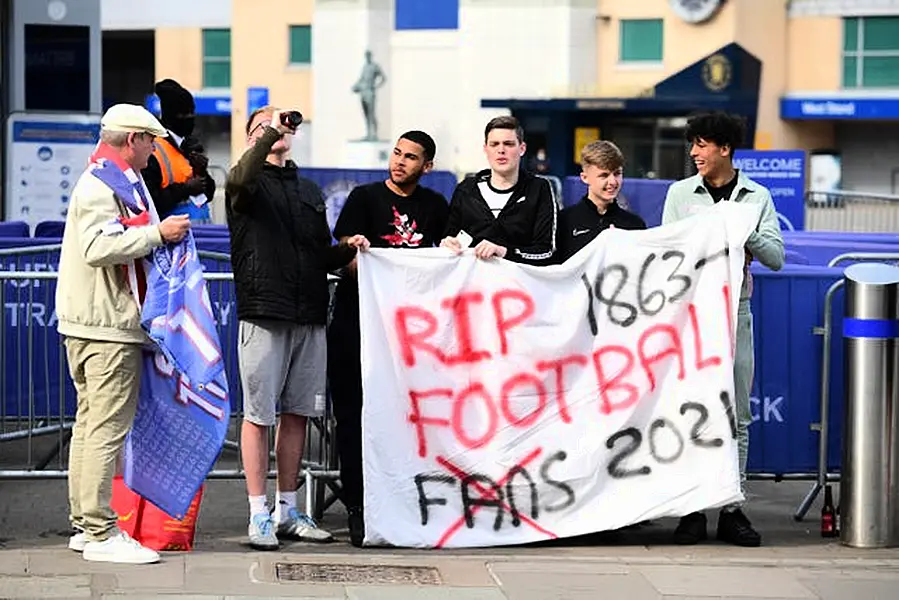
(94, 300)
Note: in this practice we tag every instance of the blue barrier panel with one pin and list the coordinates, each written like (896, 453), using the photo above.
(573, 189)
(337, 183)
(30, 352)
(841, 236)
(31, 372)
(49, 229)
(646, 197)
(214, 244)
(209, 230)
(787, 306)
(54, 229)
(13, 229)
(791, 257)
(822, 251)
(210, 234)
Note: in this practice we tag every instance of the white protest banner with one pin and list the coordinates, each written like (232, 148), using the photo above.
(507, 404)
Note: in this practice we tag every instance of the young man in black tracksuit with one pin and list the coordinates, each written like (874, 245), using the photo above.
(506, 211)
(602, 169)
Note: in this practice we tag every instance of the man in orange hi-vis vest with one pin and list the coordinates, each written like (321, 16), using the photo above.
(176, 173)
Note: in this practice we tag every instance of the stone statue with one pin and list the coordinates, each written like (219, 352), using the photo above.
(371, 78)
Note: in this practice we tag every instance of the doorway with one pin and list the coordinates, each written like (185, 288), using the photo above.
(653, 147)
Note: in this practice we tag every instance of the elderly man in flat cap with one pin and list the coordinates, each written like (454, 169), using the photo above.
(111, 226)
(176, 173)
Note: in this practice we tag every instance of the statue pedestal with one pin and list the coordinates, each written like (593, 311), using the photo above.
(362, 154)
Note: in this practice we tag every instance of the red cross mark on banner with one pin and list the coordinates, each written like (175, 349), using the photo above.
(489, 494)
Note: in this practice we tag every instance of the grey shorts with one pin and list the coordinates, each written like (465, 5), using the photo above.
(281, 365)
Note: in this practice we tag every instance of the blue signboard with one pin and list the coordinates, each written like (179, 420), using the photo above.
(257, 97)
(783, 173)
(839, 108)
(213, 105)
(219, 106)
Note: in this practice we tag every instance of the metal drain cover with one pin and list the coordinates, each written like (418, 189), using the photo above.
(356, 574)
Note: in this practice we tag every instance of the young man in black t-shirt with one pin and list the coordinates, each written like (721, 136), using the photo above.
(602, 169)
(396, 213)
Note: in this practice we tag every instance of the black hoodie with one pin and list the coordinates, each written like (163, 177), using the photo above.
(526, 225)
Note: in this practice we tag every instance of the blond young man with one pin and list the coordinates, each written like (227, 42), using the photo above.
(602, 169)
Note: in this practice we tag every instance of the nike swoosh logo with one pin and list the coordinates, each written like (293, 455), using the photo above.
(577, 232)
(127, 517)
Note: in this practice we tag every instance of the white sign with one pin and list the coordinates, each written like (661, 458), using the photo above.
(506, 404)
(828, 108)
(47, 154)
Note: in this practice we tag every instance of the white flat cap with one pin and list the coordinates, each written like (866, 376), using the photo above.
(131, 117)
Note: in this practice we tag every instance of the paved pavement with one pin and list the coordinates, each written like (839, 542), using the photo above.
(795, 562)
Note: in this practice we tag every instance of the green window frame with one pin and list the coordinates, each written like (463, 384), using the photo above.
(870, 52)
(641, 40)
(300, 44)
(217, 58)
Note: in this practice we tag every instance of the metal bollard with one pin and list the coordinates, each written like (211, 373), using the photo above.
(869, 482)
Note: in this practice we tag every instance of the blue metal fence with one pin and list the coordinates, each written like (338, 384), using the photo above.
(788, 308)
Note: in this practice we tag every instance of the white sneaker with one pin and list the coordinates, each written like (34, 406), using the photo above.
(77, 541)
(298, 526)
(120, 548)
(262, 532)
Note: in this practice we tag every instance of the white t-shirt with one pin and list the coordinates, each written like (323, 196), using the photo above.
(495, 199)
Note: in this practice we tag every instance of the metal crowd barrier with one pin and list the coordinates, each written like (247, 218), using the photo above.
(826, 330)
(37, 397)
(851, 211)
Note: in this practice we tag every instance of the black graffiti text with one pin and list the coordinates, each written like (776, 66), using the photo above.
(505, 496)
(626, 442)
(607, 288)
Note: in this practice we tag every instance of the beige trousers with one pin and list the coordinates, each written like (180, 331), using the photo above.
(107, 381)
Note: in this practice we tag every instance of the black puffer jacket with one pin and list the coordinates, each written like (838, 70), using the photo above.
(281, 249)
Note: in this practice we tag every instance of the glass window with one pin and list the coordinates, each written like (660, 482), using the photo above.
(640, 40)
(880, 71)
(217, 58)
(57, 67)
(850, 71)
(850, 34)
(300, 44)
(881, 33)
(871, 52)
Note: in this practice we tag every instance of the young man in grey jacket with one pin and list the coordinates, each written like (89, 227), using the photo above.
(714, 137)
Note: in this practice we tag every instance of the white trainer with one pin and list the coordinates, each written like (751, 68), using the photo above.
(298, 526)
(77, 541)
(120, 548)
